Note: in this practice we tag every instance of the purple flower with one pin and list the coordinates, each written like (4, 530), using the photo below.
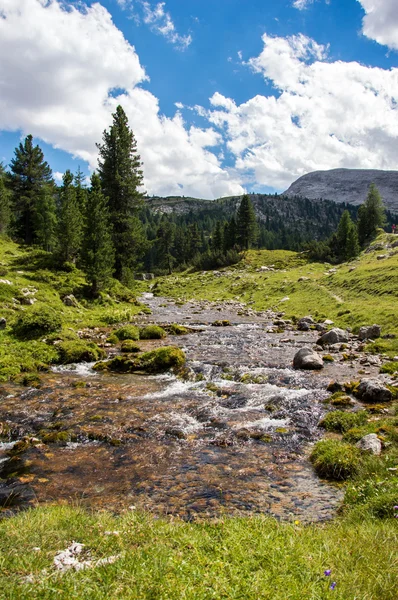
(327, 572)
(333, 585)
(395, 507)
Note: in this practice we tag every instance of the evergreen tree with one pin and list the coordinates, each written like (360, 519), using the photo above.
(230, 234)
(121, 180)
(30, 173)
(371, 215)
(195, 240)
(347, 238)
(45, 219)
(81, 191)
(165, 241)
(70, 221)
(246, 224)
(218, 238)
(98, 254)
(5, 207)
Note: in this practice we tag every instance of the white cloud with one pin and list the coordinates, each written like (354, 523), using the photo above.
(161, 22)
(302, 4)
(58, 177)
(380, 22)
(62, 65)
(324, 115)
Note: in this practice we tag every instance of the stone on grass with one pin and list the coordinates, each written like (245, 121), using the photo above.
(370, 443)
(369, 332)
(334, 336)
(3, 323)
(307, 359)
(70, 300)
(372, 390)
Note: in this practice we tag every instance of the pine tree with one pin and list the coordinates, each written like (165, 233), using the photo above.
(165, 239)
(70, 221)
(230, 234)
(98, 254)
(5, 207)
(347, 238)
(81, 191)
(45, 219)
(121, 180)
(371, 215)
(218, 238)
(30, 173)
(246, 224)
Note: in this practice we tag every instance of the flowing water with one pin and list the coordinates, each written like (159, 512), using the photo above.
(232, 438)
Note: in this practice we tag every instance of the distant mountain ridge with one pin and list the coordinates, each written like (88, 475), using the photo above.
(347, 185)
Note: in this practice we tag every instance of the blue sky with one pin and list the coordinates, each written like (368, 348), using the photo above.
(222, 95)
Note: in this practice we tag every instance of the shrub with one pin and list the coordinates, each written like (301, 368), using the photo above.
(341, 421)
(36, 322)
(335, 460)
(130, 346)
(128, 332)
(152, 332)
(79, 351)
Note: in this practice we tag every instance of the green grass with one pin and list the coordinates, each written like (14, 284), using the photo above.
(32, 270)
(351, 298)
(251, 559)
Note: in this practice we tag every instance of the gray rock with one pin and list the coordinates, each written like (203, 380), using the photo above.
(27, 301)
(307, 359)
(3, 323)
(381, 256)
(334, 336)
(307, 319)
(370, 443)
(70, 300)
(369, 332)
(372, 390)
(303, 326)
(347, 185)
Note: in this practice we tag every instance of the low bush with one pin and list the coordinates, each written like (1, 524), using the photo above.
(335, 460)
(128, 332)
(340, 421)
(152, 332)
(36, 322)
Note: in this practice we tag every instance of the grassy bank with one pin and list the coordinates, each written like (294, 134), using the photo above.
(235, 558)
(27, 274)
(361, 292)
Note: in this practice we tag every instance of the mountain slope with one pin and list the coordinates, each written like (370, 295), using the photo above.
(347, 185)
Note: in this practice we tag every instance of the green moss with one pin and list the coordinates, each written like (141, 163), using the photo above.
(118, 364)
(327, 358)
(176, 329)
(341, 421)
(128, 332)
(36, 322)
(30, 380)
(57, 437)
(223, 323)
(162, 359)
(79, 351)
(390, 367)
(335, 460)
(152, 332)
(130, 346)
(112, 339)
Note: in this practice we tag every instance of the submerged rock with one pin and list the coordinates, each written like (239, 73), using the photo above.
(372, 390)
(370, 443)
(307, 359)
(369, 332)
(334, 336)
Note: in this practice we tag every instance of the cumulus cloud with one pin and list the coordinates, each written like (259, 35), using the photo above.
(380, 22)
(68, 67)
(324, 115)
(161, 22)
(302, 4)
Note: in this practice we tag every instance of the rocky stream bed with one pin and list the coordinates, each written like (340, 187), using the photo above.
(231, 437)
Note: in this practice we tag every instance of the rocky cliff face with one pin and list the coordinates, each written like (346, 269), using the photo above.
(347, 185)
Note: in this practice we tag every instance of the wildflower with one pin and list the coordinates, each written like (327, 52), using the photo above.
(333, 585)
(297, 522)
(327, 572)
(395, 507)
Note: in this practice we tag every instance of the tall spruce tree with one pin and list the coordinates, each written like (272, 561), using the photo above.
(98, 254)
(371, 215)
(246, 224)
(121, 179)
(81, 190)
(218, 238)
(30, 173)
(347, 238)
(5, 206)
(70, 221)
(45, 219)
(165, 240)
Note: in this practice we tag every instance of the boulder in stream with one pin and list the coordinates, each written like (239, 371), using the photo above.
(307, 359)
(372, 390)
(334, 336)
